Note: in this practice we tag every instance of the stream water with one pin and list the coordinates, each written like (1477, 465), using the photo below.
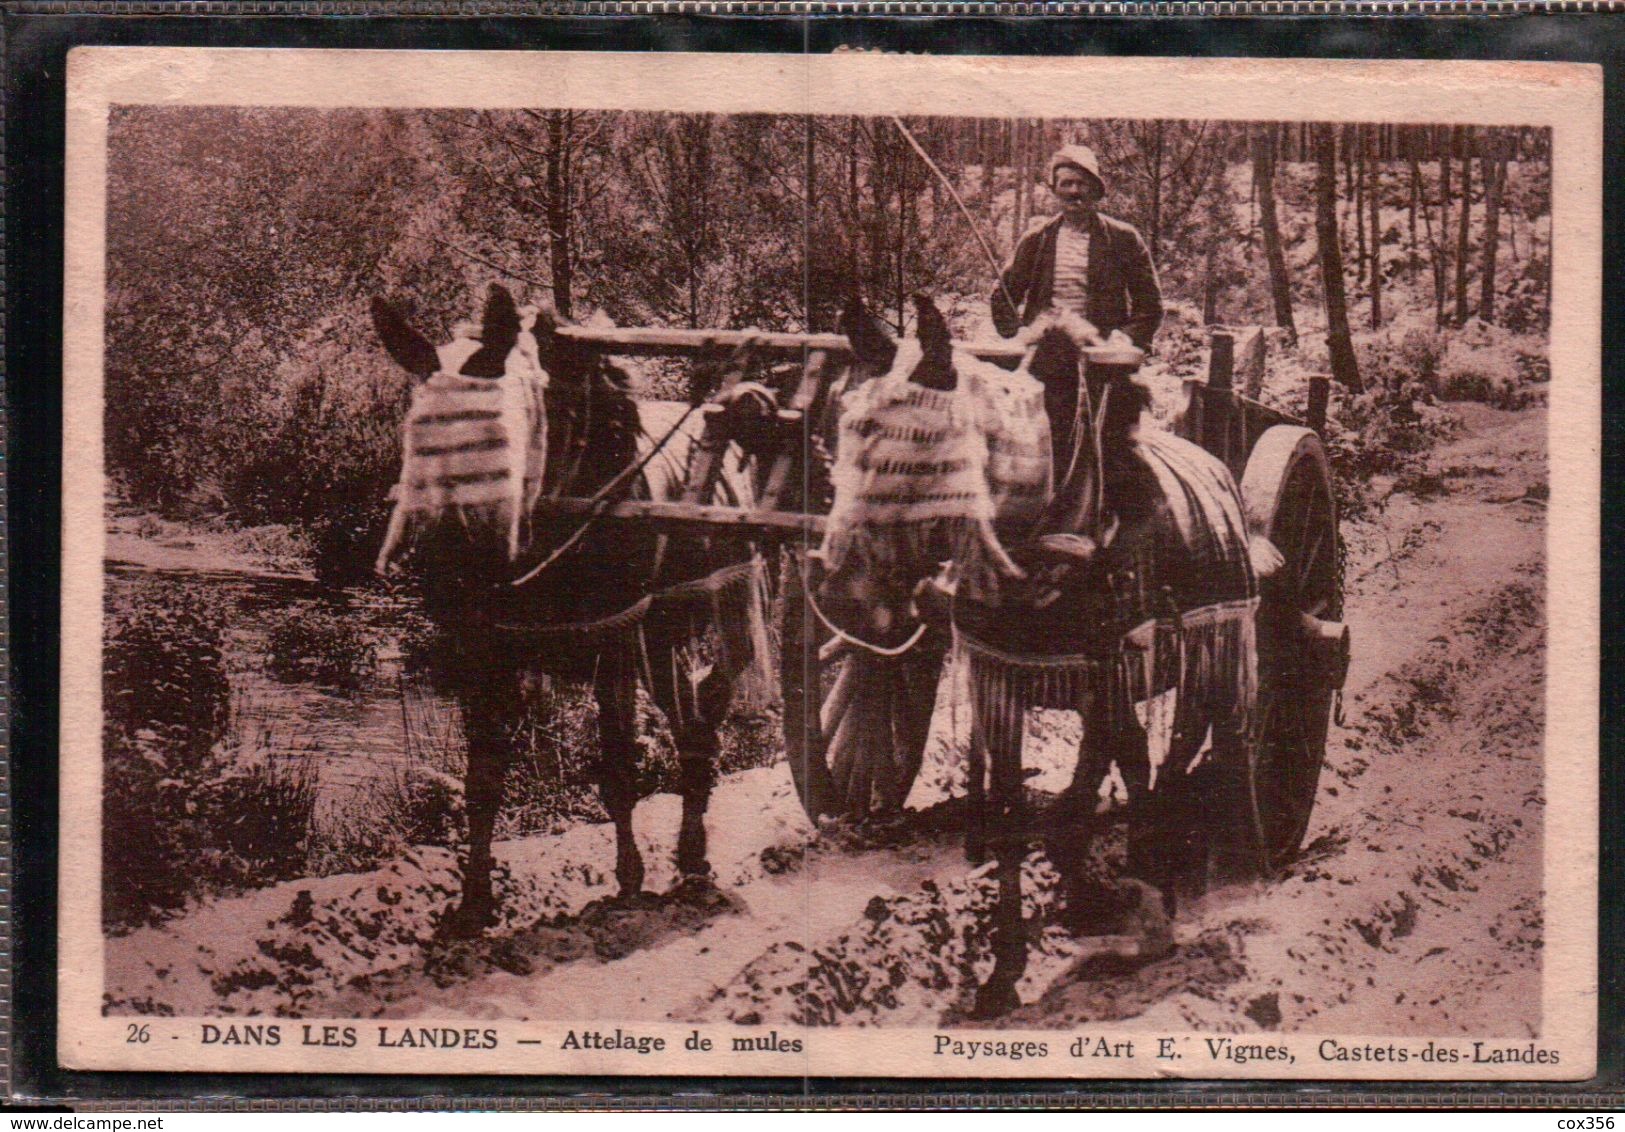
(356, 707)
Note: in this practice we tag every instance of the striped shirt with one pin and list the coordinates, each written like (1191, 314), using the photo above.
(1072, 270)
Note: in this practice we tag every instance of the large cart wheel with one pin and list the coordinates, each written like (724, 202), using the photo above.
(1303, 647)
(855, 724)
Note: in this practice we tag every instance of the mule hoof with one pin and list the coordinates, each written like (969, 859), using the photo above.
(465, 922)
(629, 875)
(995, 999)
(693, 865)
(631, 900)
(1152, 919)
(695, 888)
(691, 852)
(695, 876)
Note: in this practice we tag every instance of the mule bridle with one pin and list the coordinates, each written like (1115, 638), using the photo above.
(607, 495)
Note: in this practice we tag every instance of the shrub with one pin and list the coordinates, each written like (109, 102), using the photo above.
(175, 831)
(411, 803)
(319, 449)
(351, 835)
(553, 780)
(146, 814)
(165, 705)
(1397, 361)
(1182, 340)
(1419, 355)
(426, 805)
(277, 545)
(162, 666)
(321, 646)
(184, 816)
(1524, 305)
(255, 824)
(1468, 380)
(1491, 376)
(1380, 432)
(551, 783)
(1533, 369)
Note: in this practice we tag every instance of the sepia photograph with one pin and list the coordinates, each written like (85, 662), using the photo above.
(1026, 567)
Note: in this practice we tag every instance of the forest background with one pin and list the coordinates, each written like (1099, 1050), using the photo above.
(245, 387)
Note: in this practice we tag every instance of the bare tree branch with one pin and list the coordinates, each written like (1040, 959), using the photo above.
(477, 258)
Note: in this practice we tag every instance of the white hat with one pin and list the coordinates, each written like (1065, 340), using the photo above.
(1080, 157)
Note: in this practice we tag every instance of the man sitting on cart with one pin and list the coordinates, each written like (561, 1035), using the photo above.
(1081, 261)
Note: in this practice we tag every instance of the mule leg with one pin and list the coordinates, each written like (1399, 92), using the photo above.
(1156, 833)
(1161, 842)
(490, 710)
(976, 802)
(1073, 820)
(695, 713)
(700, 748)
(1235, 845)
(1161, 838)
(676, 699)
(1071, 823)
(615, 687)
(998, 995)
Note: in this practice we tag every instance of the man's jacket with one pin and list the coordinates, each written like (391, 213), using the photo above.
(1123, 290)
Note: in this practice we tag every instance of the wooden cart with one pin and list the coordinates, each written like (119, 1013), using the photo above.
(855, 721)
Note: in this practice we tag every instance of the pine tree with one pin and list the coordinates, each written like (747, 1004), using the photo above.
(1264, 153)
(1339, 342)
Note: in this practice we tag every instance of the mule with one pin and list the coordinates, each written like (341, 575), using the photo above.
(1139, 579)
(506, 416)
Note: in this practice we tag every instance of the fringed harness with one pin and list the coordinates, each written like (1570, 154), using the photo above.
(1183, 606)
(475, 450)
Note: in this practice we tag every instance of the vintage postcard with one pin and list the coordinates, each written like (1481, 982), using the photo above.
(746, 565)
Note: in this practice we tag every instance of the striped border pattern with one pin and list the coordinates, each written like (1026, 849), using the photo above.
(1001, 8)
(1058, 1095)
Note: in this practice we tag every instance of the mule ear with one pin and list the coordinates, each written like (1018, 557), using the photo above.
(410, 349)
(936, 340)
(501, 315)
(872, 346)
(499, 330)
(546, 321)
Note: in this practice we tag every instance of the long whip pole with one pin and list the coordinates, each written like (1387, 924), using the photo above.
(948, 184)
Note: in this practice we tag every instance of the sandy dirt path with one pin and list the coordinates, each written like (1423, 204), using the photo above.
(1415, 908)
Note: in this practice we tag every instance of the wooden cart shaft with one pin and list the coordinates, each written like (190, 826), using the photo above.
(682, 517)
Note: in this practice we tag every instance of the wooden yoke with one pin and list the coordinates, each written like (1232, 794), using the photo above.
(705, 464)
(781, 513)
